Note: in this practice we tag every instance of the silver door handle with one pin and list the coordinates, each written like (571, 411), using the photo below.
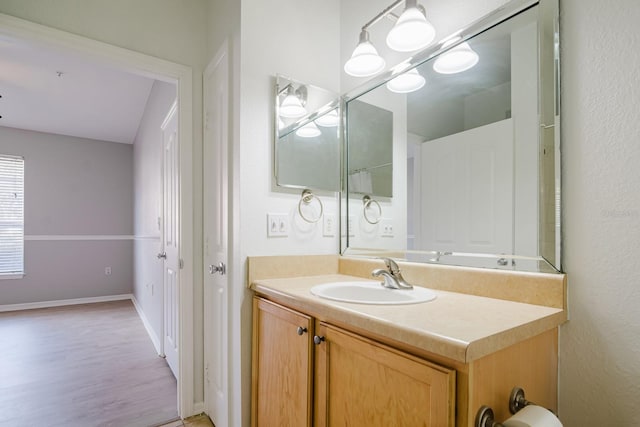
(162, 255)
(220, 268)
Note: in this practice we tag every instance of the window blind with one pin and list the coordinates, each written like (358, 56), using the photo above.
(11, 215)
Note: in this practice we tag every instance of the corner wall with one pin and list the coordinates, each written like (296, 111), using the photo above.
(299, 39)
(78, 217)
(599, 346)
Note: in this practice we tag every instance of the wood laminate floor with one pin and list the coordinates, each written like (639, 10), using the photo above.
(82, 366)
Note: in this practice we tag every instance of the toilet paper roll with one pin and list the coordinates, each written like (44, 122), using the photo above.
(533, 416)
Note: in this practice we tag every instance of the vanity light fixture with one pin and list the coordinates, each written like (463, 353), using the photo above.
(406, 82)
(456, 60)
(364, 61)
(331, 119)
(291, 106)
(310, 130)
(412, 31)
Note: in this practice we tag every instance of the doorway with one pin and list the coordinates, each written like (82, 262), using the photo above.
(180, 75)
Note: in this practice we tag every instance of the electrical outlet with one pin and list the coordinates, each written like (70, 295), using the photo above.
(277, 225)
(107, 271)
(328, 225)
(386, 227)
(352, 225)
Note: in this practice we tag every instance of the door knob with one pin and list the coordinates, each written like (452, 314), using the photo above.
(162, 255)
(220, 268)
(317, 340)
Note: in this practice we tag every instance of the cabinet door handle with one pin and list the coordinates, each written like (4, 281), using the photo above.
(317, 340)
(301, 330)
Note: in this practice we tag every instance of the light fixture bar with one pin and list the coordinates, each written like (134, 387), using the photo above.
(384, 13)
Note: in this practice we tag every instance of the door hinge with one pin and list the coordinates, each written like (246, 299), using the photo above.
(181, 263)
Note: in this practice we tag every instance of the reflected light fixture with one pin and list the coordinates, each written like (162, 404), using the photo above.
(291, 107)
(406, 82)
(412, 31)
(331, 119)
(457, 59)
(364, 61)
(310, 130)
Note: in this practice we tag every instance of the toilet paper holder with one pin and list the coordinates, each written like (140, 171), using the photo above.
(485, 417)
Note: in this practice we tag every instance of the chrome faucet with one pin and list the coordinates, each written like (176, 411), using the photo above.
(392, 278)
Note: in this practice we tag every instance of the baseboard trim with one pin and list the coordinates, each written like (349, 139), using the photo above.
(198, 408)
(63, 302)
(147, 325)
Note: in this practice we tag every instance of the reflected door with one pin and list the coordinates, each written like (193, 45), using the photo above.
(467, 186)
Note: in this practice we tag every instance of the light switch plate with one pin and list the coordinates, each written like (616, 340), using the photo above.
(386, 227)
(329, 225)
(277, 225)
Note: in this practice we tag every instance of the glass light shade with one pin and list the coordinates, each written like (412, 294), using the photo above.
(364, 61)
(411, 32)
(310, 130)
(330, 119)
(456, 60)
(406, 82)
(291, 107)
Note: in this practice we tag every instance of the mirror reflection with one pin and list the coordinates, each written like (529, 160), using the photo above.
(479, 183)
(370, 154)
(307, 136)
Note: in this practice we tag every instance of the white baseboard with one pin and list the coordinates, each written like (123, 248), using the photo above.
(198, 408)
(63, 302)
(147, 325)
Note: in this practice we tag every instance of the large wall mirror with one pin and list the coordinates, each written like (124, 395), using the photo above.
(476, 165)
(307, 136)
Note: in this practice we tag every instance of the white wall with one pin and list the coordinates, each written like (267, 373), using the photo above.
(167, 29)
(147, 164)
(73, 187)
(279, 37)
(599, 346)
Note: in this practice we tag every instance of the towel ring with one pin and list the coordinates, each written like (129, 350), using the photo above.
(306, 199)
(367, 202)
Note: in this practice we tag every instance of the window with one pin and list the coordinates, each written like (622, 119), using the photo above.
(11, 216)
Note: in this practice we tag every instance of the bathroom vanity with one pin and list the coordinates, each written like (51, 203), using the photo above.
(321, 362)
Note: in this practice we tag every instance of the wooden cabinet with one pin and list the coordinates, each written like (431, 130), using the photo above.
(356, 381)
(359, 382)
(282, 373)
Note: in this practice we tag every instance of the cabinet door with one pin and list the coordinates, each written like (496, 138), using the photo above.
(282, 366)
(363, 383)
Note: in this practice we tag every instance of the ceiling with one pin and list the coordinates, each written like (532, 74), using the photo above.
(58, 92)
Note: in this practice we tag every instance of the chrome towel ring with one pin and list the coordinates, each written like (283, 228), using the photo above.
(306, 199)
(368, 202)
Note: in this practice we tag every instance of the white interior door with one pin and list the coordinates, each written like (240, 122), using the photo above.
(170, 193)
(467, 186)
(216, 294)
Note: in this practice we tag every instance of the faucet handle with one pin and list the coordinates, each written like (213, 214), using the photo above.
(391, 265)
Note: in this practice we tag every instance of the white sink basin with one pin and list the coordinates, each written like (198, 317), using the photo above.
(371, 293)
